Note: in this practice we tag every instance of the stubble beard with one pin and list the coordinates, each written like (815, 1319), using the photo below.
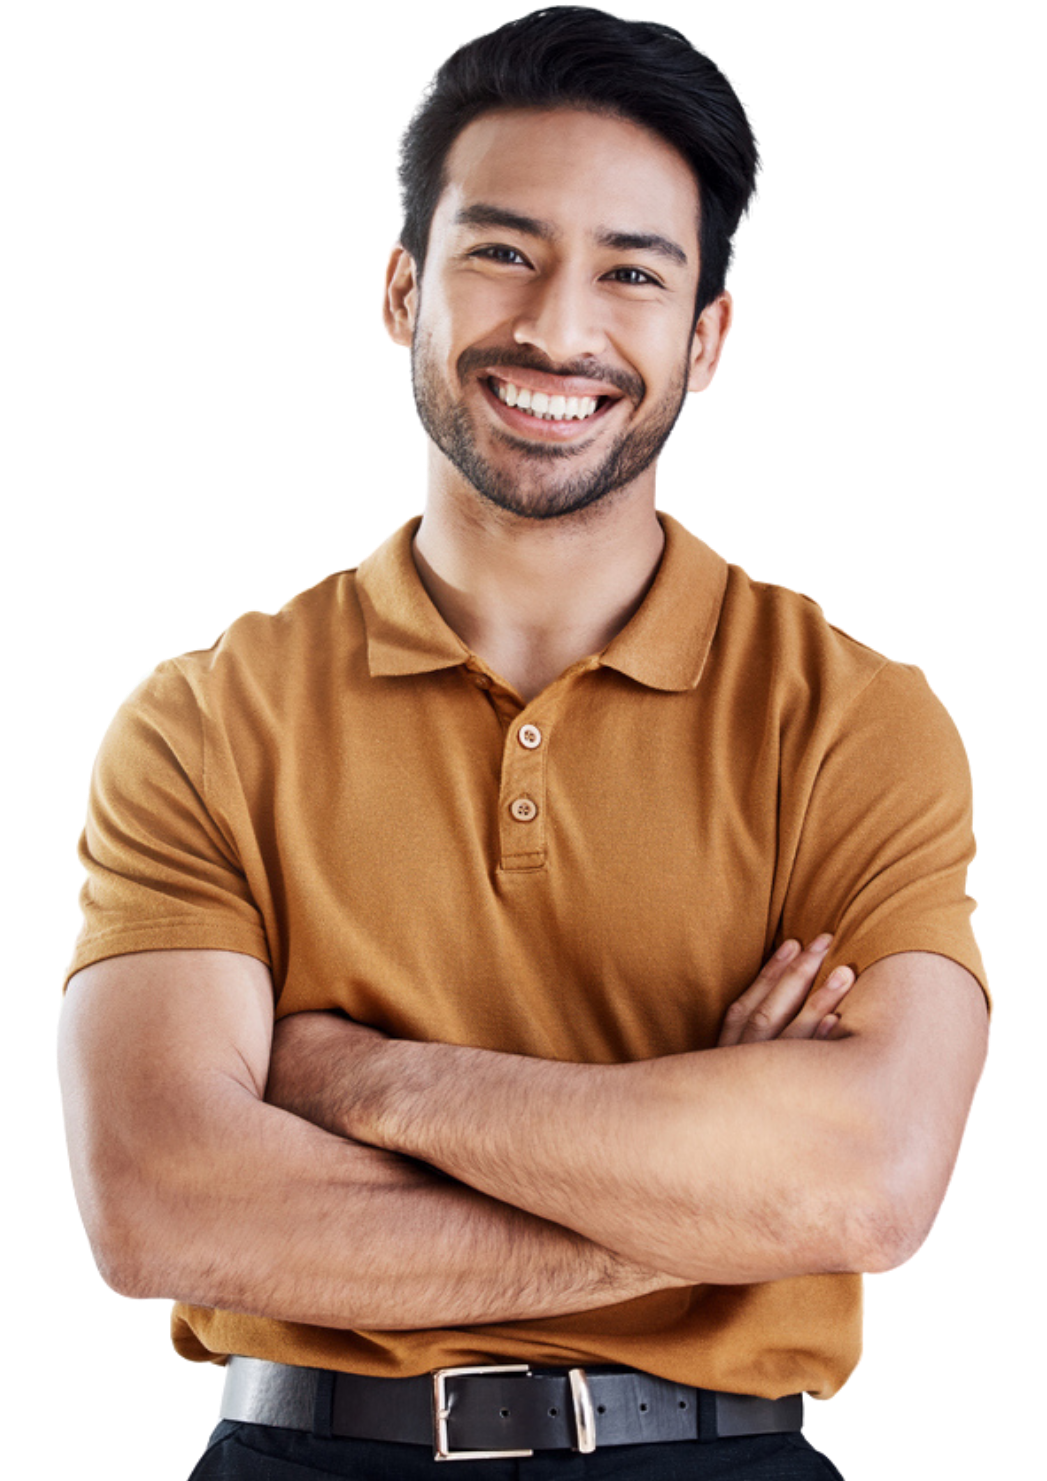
(531, 489)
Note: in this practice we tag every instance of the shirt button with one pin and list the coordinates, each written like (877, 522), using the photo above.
(482, 681)
(524, 810)
(529, 736)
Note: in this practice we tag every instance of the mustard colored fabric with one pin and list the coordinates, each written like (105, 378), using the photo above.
(347, 793)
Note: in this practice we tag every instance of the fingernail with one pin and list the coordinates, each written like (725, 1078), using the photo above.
(786, 950)
(826, 1026)
(840, 978)
(821, 943)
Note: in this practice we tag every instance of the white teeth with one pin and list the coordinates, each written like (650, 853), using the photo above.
(548, 408)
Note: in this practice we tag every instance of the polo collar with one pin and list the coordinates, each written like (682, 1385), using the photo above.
(666, 642)
(663, 646)
(405, 632)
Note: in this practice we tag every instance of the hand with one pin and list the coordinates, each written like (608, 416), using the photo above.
(780, 1003)
(316, 1064)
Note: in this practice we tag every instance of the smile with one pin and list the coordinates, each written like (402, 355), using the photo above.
(545, 407)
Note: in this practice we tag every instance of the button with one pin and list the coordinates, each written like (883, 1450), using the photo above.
(529, 736)
(524, 810)
(482, 681)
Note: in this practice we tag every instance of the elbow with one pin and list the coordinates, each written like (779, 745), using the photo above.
(904, 1222)
(130, 1248)
(895, 1246)
(138, 1222)
(123, 1267)
(891, 1214)
(118, 1249)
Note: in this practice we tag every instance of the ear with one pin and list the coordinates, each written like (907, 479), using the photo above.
(709, 335)
(401, 295)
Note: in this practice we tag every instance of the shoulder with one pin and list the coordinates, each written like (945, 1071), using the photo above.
(265, 676)
(316, 630)
(264, 661)
(821, 682)
(793, 630)
(782, 641)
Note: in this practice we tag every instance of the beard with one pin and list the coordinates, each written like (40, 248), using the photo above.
(542, 483)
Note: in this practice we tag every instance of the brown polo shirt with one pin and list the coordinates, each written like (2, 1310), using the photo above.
(344, 791)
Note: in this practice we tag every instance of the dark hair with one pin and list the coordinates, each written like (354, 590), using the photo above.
(573, 56)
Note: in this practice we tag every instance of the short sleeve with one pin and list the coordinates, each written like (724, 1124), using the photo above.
(162, 872)
(886, 835)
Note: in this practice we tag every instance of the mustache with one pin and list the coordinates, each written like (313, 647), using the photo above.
(527, 358)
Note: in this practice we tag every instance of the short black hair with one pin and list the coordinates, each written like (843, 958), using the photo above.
(574, 56)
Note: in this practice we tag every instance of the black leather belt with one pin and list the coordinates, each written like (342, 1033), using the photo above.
(499, 1410)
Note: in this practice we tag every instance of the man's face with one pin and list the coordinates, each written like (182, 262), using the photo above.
(553, 339)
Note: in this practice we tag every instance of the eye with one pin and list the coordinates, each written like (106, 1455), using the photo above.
(498, 252)
(634, 277)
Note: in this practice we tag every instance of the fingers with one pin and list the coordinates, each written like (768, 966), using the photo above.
(817, 1018)
(780, 1004)
(778, 993)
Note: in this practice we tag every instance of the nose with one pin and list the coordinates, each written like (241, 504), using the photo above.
(561, 317)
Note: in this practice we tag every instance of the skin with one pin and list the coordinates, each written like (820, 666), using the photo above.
(753, 1162)
(525, 281)
(530, 593)
(164, 1059)
(551, 469)
(819, 1133)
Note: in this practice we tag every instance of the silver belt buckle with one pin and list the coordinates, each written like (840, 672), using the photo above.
(581, 1400)
(442, 1413)
(584, 1418)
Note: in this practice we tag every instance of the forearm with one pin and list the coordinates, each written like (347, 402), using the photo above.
(282, 1220)
(701, 1164)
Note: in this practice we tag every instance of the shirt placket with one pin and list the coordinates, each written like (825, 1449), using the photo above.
(522, 801)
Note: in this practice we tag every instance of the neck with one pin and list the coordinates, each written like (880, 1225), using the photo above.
(531, 597)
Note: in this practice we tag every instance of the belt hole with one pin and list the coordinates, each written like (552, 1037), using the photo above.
(601, 1408)
(643, 1408)
(504, 1413)
(683, 1403)
(554, 1412)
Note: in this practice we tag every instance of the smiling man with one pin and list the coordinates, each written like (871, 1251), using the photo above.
(527, 980)
(621, 310)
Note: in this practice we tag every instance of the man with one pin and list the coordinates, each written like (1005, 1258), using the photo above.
(523, 827)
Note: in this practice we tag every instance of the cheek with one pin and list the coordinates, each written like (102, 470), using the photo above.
(463, 315)
(472, 309)
(658, 335)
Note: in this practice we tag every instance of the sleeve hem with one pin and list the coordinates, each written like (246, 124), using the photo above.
(176, 936)
(866, 954)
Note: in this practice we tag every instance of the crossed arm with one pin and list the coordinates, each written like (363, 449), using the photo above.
(395, 1184)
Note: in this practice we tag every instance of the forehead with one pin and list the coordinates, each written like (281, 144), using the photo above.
(576, 170)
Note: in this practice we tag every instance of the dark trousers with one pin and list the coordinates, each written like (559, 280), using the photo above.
(253, 1452)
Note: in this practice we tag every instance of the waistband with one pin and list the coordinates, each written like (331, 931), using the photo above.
(498, 1410)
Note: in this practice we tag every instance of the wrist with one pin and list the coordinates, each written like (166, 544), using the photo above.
(327, 1069)
(406, 1097)
(379, 1090)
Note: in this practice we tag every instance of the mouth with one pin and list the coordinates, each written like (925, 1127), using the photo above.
(548, 413)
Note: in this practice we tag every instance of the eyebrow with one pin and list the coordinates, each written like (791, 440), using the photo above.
(619, 241)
